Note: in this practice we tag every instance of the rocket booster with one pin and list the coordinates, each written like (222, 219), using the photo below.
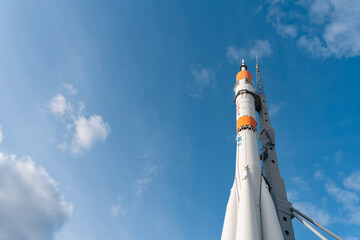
(250, 213)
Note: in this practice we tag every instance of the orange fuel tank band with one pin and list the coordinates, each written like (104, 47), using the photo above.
(243, 74)
(246, 121)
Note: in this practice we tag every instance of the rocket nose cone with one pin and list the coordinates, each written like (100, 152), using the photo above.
(243, 66)
(243, 72)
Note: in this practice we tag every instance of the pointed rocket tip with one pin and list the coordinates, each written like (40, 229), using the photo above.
(243, 66)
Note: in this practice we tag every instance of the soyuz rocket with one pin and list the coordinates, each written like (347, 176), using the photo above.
(258, 208)
(251, 213)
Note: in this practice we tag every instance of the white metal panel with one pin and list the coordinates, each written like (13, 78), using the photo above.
(247, 226)
(270, 222)
(248, 159)
(230, 222)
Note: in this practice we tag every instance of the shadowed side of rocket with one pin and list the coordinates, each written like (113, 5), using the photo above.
(250, 213)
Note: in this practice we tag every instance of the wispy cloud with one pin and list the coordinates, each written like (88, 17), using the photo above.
(324, 28)
(276, 16)
(84, 131)
(313, 46)
(336, 157)
(147, 176)
(319, 175)
(71, 88)
(348, 209)
(234, 54)
(118, 208)
(31, 206)
(353, 181)
(349, 203)
(351, 238)
(341, 195)
(203, 80)
(300, 183)
(261, 48)
(317, 213)
(292, 195)
(274, 109)
(348, 200)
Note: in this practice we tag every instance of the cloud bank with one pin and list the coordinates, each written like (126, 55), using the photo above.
(31, 207)
(323, 28)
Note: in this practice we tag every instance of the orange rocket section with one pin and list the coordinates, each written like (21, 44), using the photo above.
(243, 74)
(246, 121)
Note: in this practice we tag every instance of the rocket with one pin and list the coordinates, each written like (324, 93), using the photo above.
(250, 212)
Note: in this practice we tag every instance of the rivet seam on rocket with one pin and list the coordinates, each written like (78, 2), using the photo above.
(246, 121)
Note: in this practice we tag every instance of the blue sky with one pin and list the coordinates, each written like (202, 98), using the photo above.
(117, 117)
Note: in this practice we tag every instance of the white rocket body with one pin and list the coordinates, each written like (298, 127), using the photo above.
(250, 213)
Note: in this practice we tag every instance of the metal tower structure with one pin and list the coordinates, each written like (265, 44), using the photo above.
(258, 208)
(270, 164)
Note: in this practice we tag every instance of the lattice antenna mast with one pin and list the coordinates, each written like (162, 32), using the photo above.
(259, 84)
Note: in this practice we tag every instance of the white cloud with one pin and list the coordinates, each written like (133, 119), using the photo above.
(71, 89)
(59, 105)
(319, 10)
(118, 209)
(340, 195)
(349, 203)
(147, 177)
(325, 27)
(83, 131)
(31, 207)
(319, 175)
(276, 15)
(339, 156)
(63, 146)
(261, 48)
(142, 183)
(353, 181)
(274, 109)
(204, 78)
(351, 238)
(314, 46)
(81, 106)
(313, 212)
(354, 214)
(234, 54)
(88, 131)
(300, 183)
(1, 134)
(286, 30)
(292, 195)
(342, 33)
